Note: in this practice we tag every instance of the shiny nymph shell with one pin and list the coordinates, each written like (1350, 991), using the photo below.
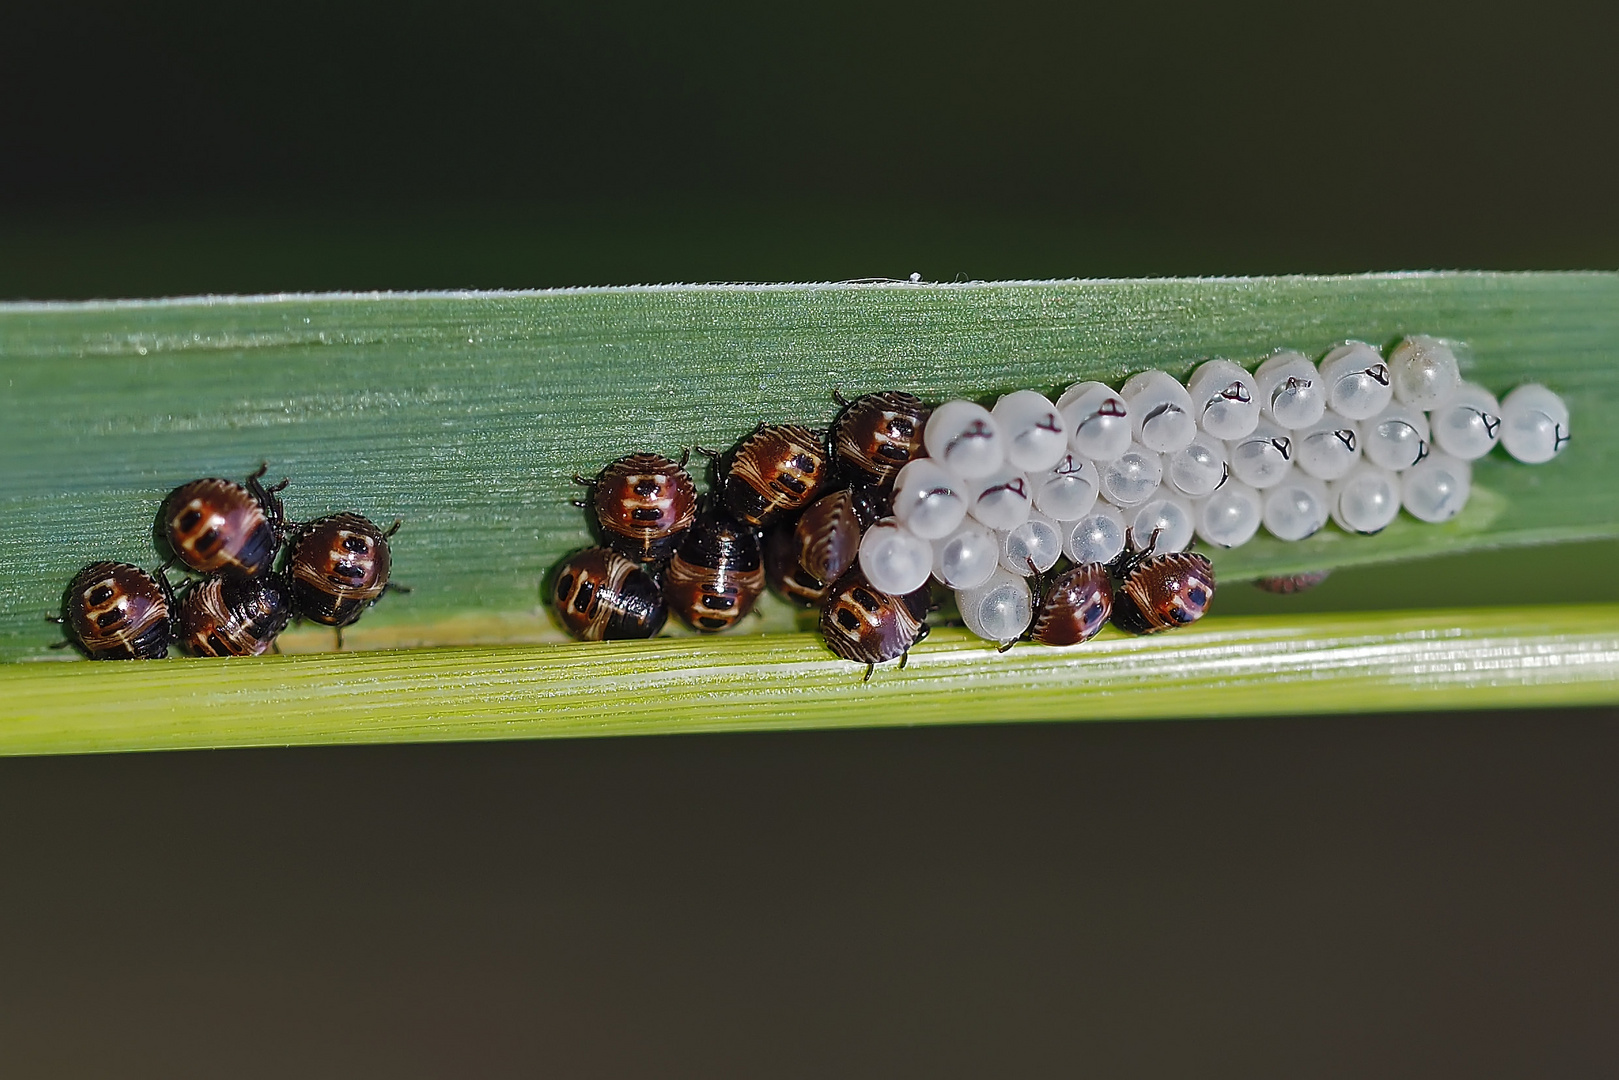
(1161, 592)
(228, 616)
(716, 575)
(828, 536)
(644, 502)
(116, 611)
(602, 596)
(777, 469)
(877, 434)
(216, 525)
(1075, 607)
(862, 624)
(339, 565)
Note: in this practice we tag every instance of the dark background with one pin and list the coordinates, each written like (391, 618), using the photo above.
(1409, 895)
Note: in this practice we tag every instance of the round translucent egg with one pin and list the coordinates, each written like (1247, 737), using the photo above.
(1163, 523)
(1068, 491)
(1160, 410)
(1358, 382)
(1230, 517)
(966, 557)
(1468, 424)
(1038, 540)
(1396, 438)
(1098, 421)
(1198, 467)
(1132, 476)
(1098, 537)
(1000, 609)
(1366, 499)
(1225, 399)
(1261, 458)
(1329, 448)
(1296, 507)
(1036, 433)
(1424, 371)
(1436, 488)
(1290, 391)
(894, 559)
(964, 438)
(1534, 424)
(1001, 499)
(929, 499)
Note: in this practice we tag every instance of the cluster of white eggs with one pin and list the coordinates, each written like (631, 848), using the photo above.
(1005, 492)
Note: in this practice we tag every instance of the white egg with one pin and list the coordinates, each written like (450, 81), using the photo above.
(1225, 399)
(963, 437)
(1535, 424)
(1160, 410)
(1037, 540)
(1329, 448)
(1035, 432)
(1436, 488)
(1098, 421)
(1000, 609)
(1424, 371)
(1366, 499)
(1261, 458)
(1396, 438)
(1000, 499)
(929, 499)
(1230, 516)
(1068, 491)
(1164, 523)
(1098, 537)
(1296, 507)
(1468, 424)
(966, 557)
(1358, 382)
(1132, 476)
(894, 559)
(1290, 390)
(1198, 467)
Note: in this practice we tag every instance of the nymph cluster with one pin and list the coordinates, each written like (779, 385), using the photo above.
(254, 572)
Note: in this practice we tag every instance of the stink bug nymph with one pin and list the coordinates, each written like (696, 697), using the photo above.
(1161, 592)
(644, 502)
(876, 434)
(339, 566)
(115, 611)
(783, 571)
(602, 596)
(870, 627)
(232, 616)
(215, 525)
(1075, 607)
(777, 469)
(716, 575)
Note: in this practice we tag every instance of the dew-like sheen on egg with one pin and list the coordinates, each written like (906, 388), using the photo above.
(964, 438)
(1037, 540)
(1263, 457)
(1000, 499)
(1035, 432)
(1534, 424)
(1098, 421)
(1424, 371)
(966, 557)
(1468, 424)
(1160, 410)
(1329, 448)
(928, 499)
(1230, 516)
(894, 559)
(1290, 391)
(1396, 438)
(1225, 399)
(1359, 385)
(1131, 477)
(1069, 490)
(1170, 517)
(1296, 507)
(1366, 499)
(1098, 537)
(1198, 467)
(1000, 610)
(1436, 488)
